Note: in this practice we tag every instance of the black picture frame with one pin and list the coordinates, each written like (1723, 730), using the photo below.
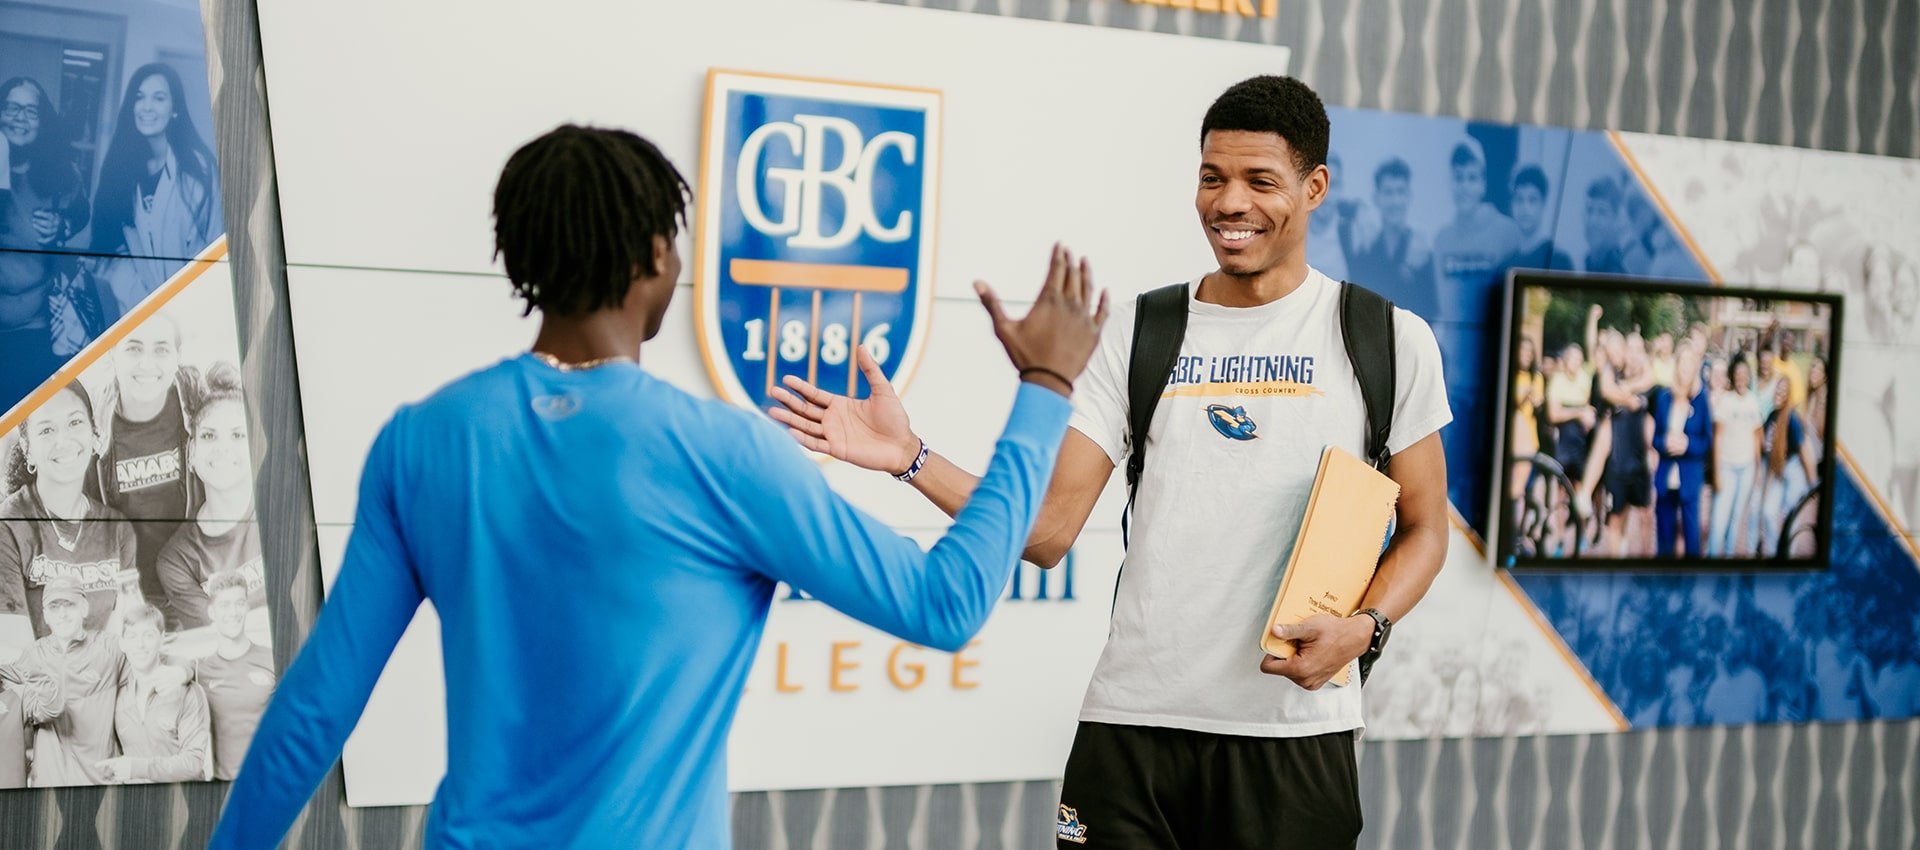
(1509, 555)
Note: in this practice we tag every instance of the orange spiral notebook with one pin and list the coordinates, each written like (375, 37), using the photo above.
(1337, 549)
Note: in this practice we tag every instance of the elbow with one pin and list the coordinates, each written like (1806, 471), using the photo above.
(954, 633)
(950, 642)
(1046, 554)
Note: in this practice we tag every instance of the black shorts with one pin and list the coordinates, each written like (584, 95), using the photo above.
(1631, 487)
(1150, 788)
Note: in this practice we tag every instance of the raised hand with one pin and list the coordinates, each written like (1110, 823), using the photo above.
(871, 433)
(1053, 341)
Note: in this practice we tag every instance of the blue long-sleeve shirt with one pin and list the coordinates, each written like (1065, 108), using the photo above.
(601, 549)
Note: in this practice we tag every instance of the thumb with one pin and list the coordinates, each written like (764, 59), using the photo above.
(991, 300)
(870, 368)
(1292, 631)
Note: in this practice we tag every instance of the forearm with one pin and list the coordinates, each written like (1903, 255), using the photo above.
(937, 598)
(1063, 510)
(979, 552)
(945, 484)
(180, 767)
(1407, 570)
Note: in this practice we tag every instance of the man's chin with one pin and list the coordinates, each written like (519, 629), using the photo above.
(1238, 266)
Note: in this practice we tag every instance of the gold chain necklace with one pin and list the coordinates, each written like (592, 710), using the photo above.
(564, 366)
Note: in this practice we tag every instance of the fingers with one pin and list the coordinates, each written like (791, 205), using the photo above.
(808, 391)
(808, 441)
(1057, 266)
(992, 302)
(796, 404)
(796, 422)
(1084, 295)
(1100, 315)
(1071, 288)
(1294, 670)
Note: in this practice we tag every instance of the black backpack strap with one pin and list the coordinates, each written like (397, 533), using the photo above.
(1366, 324)
(1159, 325)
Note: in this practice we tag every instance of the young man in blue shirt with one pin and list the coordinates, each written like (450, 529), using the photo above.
(569, 479)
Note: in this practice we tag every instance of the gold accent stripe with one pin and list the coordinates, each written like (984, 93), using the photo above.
(1699, 256)
(105, 342)
(1244, 388)
(818, 276)
(1540, 621)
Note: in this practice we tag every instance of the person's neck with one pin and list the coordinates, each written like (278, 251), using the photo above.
(226, 508)
(142, 410)
(1266, 287)
(599, 335)
(158, 146)
(231, 648)
(65, 500)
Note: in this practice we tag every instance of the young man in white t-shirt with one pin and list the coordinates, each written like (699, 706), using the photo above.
(1190, 736)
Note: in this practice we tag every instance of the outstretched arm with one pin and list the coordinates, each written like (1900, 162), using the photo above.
(875, 433)
(810, 537)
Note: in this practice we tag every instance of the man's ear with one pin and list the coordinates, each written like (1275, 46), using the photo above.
(1318, 181)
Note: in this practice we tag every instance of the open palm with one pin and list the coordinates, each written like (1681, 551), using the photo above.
(871, 433)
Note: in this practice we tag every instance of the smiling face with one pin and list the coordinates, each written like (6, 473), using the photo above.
(60, 440)
(20, 115)
(141, 642)
(146, 361)
(1573, 357)
(228, 611)
(220, 446)
(1393, 194)
(1529, 208)
(1253, 201)
(1469, 186)
(1603, 223)
(153, 106)
(64, 618)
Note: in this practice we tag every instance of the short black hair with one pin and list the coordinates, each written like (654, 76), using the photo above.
(1605, 190)
(575, 215)
(1467, 153)
(1393, 167)
(1270, 104)
(1531, 175)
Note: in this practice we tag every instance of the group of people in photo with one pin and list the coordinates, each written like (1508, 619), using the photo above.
(84, 240)
(1703, 438)
(133, 639)
(1433, 267)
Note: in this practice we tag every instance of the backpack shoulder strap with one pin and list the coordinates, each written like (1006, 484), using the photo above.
(1366, 325)
(1159, 324)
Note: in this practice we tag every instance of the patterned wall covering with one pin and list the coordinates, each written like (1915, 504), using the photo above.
(1836, 75)
(1687, 68)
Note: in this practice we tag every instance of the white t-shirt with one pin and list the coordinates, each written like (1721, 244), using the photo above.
(1739, 418)
(1234, 446)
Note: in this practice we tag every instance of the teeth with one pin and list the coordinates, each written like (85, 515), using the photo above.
(1236, 235)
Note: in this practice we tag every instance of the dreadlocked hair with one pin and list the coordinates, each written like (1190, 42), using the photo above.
(575, 215)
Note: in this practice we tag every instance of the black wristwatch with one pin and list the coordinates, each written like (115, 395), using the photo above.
(1382, 628)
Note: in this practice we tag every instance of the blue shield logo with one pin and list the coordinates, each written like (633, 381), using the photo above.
(816, 231)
